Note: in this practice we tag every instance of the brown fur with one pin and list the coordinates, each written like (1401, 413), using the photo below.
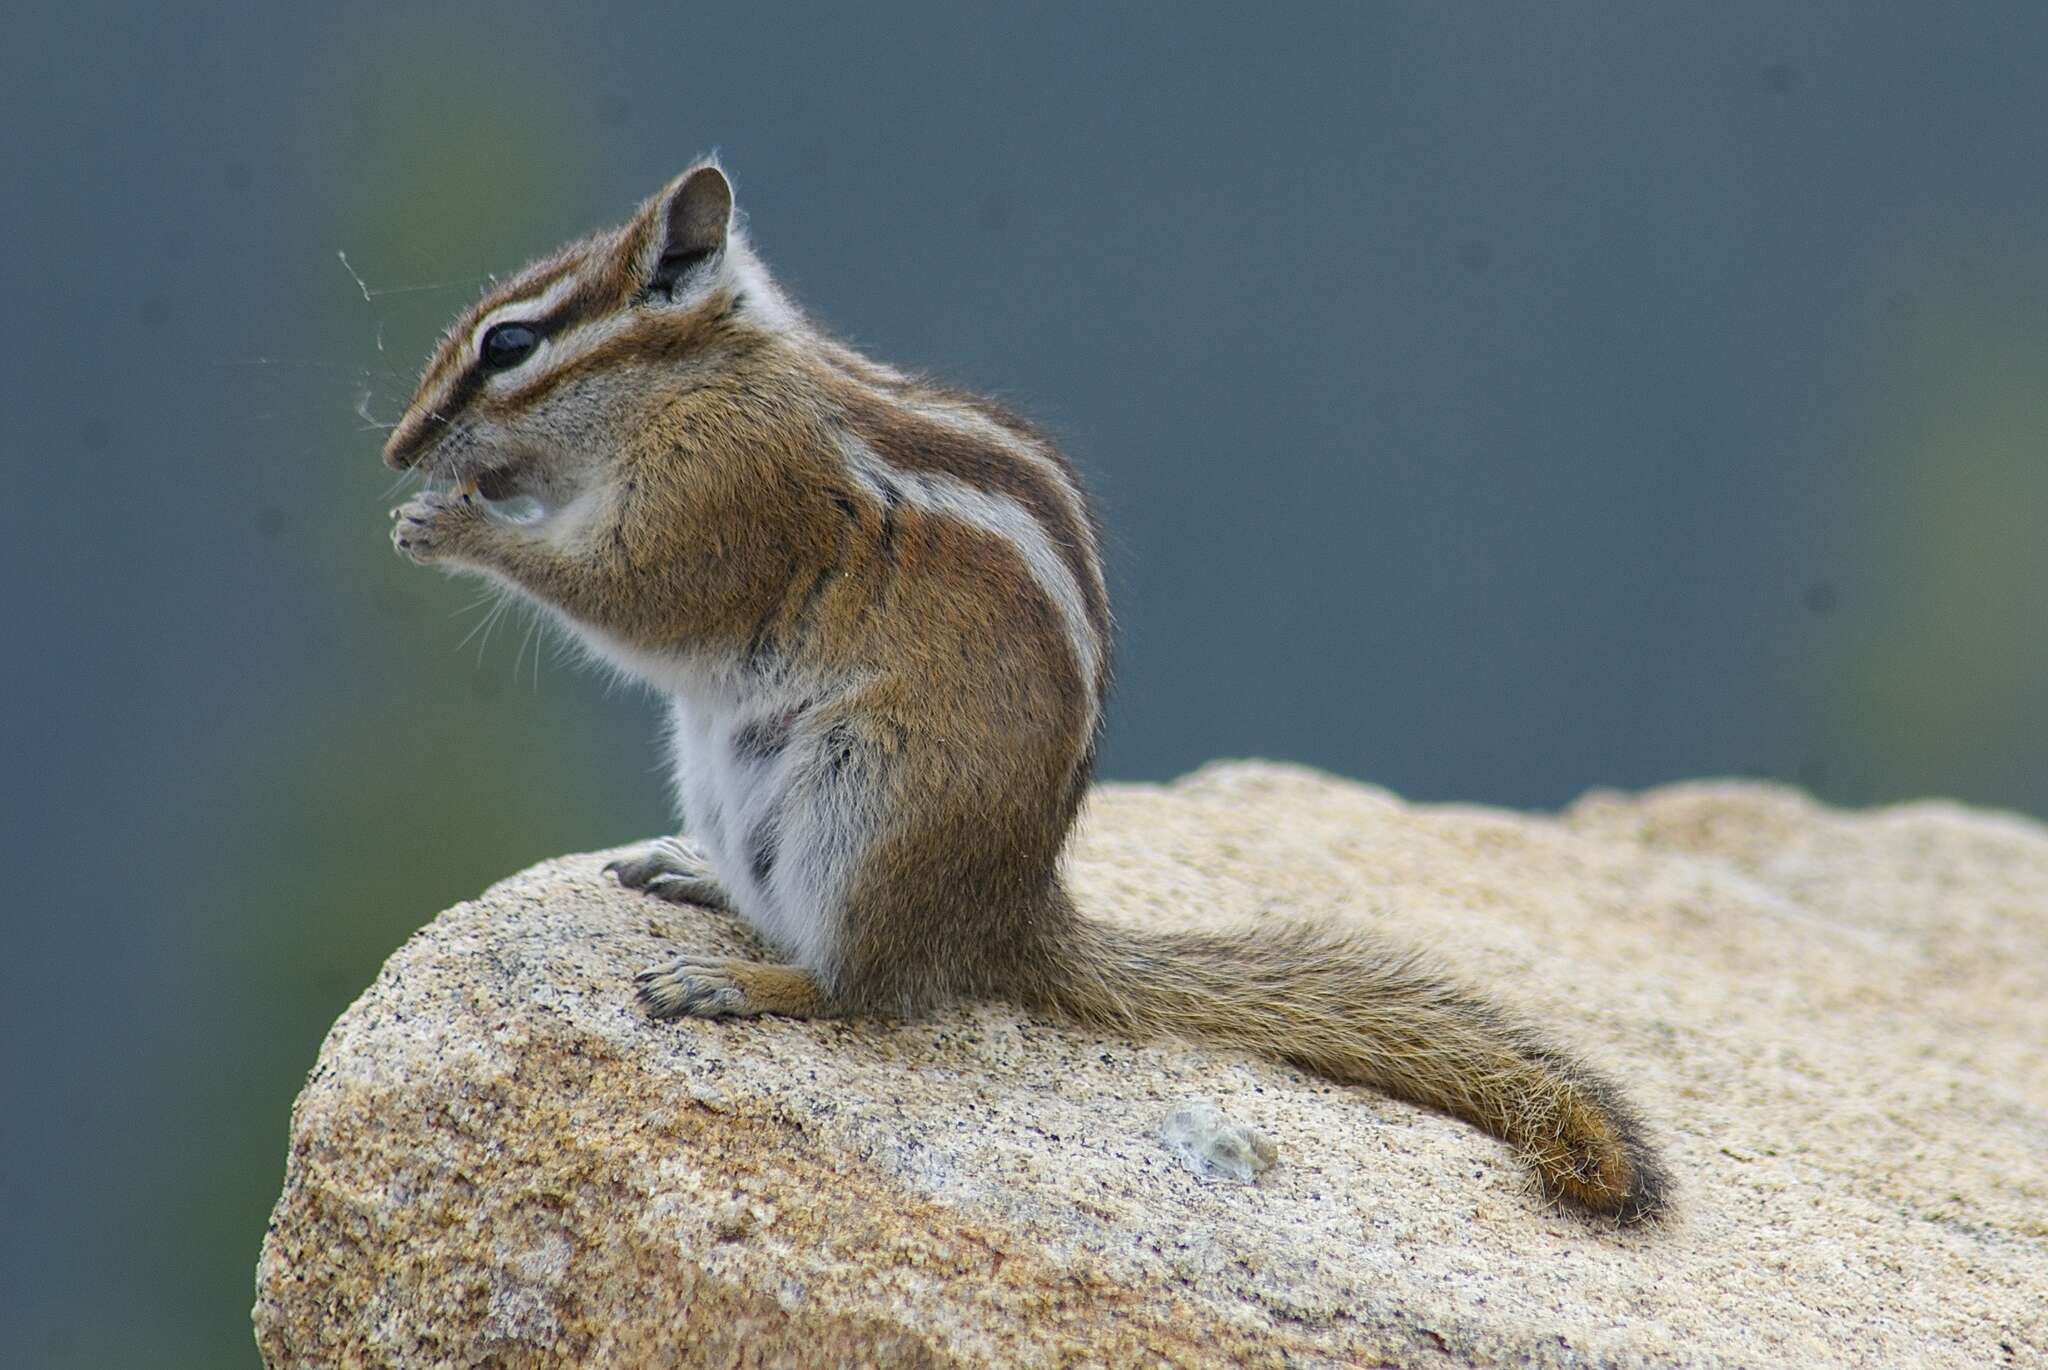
(705, 441)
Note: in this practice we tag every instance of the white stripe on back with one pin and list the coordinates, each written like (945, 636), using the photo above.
(1000, 515)
(963, 418)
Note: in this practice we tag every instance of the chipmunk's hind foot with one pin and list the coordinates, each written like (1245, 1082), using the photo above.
(699, 986)
(667, 868)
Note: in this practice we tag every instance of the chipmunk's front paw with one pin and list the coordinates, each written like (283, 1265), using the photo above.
(433, 525)
(668, 869)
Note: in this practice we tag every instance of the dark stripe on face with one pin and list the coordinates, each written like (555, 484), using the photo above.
(460, 353)
(658, 338)
(417, 434)
(470, 381)
(910, 442)
(455, 351)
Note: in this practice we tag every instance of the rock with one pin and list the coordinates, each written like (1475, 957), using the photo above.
(1835, 1023)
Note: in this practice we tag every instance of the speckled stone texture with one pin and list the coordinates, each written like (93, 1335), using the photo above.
(1836, 1022)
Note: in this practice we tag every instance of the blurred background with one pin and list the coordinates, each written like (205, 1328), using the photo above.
(1490, 403)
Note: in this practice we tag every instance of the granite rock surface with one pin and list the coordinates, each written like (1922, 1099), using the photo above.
(1835, 1022)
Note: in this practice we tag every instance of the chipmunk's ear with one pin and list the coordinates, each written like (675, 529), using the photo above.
(692, 220)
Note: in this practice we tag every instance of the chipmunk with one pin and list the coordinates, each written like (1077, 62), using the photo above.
(876, 608)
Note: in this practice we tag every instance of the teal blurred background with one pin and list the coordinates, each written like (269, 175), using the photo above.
(1487, 402)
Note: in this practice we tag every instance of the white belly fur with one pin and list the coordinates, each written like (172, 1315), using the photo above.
(824, 830)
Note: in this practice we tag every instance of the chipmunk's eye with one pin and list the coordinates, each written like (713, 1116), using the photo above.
(507, 345)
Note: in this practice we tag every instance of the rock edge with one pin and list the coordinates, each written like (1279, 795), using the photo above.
(1832, 1020)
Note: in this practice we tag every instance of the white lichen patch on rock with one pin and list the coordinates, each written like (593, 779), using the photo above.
(1833, 1021)
(1211, 1142)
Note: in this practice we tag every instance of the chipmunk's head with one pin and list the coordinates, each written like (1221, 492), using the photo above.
(534, 390)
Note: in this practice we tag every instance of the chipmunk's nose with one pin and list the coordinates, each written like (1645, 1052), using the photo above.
(402, 448)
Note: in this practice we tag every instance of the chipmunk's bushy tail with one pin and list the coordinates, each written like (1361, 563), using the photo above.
(1341, 1004)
